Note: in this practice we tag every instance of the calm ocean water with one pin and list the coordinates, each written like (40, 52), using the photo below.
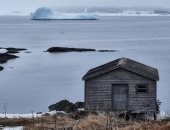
(38, 79)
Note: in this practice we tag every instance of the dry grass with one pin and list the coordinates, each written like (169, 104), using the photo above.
(91, 122)
(14, 121)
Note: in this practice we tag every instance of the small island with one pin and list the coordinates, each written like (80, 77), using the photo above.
(67, 49)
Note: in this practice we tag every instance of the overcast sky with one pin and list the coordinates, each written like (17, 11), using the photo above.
(30, 5)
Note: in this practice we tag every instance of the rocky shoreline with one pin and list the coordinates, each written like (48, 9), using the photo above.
(9, 53)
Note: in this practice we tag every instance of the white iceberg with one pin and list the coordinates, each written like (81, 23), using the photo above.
(45, 13)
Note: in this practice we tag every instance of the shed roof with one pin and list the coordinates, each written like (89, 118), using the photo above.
(124, 63)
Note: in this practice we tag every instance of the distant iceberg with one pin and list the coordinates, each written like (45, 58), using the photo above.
(45, 13)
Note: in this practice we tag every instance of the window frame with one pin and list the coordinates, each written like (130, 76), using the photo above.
(142, 85)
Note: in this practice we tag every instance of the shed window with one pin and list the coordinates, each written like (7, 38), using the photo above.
(142, 88)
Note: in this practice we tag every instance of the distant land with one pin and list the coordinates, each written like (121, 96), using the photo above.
(153, 10)
(109, 9)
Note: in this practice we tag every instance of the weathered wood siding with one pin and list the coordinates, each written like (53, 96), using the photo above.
(98, 91)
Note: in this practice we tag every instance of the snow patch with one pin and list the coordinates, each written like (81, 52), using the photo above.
(45, 13)
(2, 51)
(29, 115)
(13, 128)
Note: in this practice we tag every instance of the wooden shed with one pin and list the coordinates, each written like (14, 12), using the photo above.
(121, 85)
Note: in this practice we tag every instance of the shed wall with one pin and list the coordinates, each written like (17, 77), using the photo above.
(98, 91)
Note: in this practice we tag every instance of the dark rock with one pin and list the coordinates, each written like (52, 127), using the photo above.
(66, 49)
(63, 105)
(5, 57)
(79, 104)
(106, 50)
(1, 68)
(14, 50)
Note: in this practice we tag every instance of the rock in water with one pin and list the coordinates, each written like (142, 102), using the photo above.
(5, 57)
(1, 68)
(106, 50)
(14, 50)
(66, 49)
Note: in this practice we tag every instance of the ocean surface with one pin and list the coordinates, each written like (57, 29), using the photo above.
(38, 79)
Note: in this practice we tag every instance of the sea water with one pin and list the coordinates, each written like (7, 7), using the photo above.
(38, 79)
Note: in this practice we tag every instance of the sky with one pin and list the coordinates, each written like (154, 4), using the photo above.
(30, 5)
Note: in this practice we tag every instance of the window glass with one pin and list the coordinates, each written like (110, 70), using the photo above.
(142, 89)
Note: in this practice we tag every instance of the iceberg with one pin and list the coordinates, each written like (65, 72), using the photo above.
(45, 13)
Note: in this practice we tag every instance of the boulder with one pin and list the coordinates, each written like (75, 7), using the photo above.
(63, 105)
(79, 105)
(66, 49)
